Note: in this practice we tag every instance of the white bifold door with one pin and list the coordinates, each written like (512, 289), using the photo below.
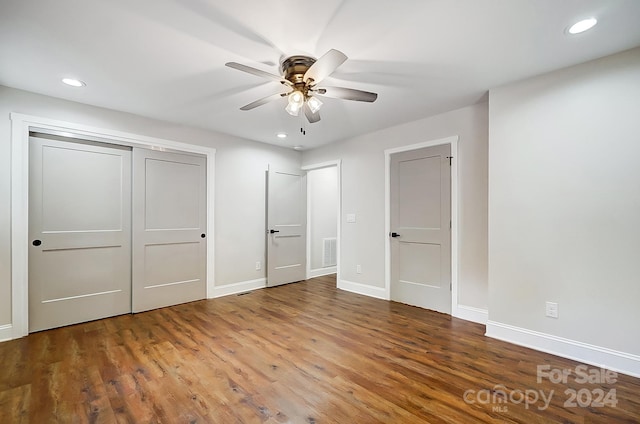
(169, 221)
(421, 228)
(112, 230)
(80, 232)
(286, 226)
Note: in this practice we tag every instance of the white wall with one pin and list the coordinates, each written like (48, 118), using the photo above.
(239, 182)
(363, 173)
(564, 211)
(322, 190)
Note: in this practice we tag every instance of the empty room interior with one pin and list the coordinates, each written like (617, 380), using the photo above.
(345, 211)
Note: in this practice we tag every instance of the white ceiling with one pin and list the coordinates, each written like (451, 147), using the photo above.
(165, 58)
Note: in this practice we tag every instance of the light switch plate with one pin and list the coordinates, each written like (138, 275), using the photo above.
(351, 218)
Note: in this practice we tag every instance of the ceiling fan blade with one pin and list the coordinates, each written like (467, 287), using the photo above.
(324, 66)
(347, 94)
(311, 117)
(258, 72)
(262, 101)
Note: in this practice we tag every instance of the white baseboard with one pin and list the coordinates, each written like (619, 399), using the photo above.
(241, 287)
(313, 273)
(471, 313)
(365, 289)
(6, 332)
(625, 363)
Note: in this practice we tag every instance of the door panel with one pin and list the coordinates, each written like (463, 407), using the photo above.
(173, 191)
(286, 216)
(420, 262)
(80, 211)
(169, 209)
(418, 186)
(170, 263)
(421, 215)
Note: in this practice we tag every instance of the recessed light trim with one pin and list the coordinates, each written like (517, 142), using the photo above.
(281, 135)
(74, 82)
(582, 26)
(297, 147)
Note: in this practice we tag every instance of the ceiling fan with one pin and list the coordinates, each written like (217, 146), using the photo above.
(301, 75)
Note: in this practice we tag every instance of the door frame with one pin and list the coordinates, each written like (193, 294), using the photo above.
(21, 125)
(338, 164)
(453, 141)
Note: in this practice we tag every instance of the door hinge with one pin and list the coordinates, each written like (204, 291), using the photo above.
(449, 157)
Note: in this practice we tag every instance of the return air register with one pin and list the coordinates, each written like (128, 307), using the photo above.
(329, 252)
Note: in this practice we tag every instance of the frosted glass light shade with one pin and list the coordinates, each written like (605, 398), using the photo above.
(314, 104)
(296, 99)
(292, 109)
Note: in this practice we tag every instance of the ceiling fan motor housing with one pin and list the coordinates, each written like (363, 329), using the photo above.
(294, 68)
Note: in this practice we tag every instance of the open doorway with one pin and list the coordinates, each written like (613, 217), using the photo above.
(323, 219)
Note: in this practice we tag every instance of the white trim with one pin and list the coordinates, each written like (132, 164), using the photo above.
(453, 141)
(313, 273)
(6, 332)
(19, 226)
(364, 289)
(454, 225)
(211, 245)
(471, 313)
(320, 165)
(622, 362)
(20, 126)
(241, 287)
(338, 164)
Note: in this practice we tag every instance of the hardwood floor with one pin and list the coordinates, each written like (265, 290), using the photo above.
(300, 353)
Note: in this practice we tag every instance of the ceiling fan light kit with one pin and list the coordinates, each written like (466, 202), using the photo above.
(301, 75)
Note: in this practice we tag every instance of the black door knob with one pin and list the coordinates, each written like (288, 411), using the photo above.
(36, 242)
(203, 235)
(274, 231)
(395, 235)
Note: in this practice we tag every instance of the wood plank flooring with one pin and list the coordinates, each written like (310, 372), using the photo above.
(300, 353)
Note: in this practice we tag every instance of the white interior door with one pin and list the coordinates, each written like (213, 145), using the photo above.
(421, 228)
(286, 226)
(80, 231)
(169, 212)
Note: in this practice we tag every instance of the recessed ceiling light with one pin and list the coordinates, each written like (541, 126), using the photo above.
(582, 26)
(297, 147)
(73, 82)
(281, 135)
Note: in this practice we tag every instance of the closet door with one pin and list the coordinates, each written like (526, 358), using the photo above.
(420, 206)
(80, 232)
(287, 226)
(169, 221)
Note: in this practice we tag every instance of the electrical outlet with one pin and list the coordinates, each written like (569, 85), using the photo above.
(258, 266)
(358, 269)
(552, 309)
